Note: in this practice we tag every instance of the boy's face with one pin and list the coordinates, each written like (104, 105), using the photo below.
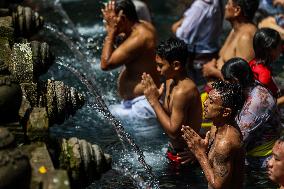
(163, 67)
(213, 105)
(275, 166)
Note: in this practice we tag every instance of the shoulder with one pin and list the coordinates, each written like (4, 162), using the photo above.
(187, 89)
(231, 140)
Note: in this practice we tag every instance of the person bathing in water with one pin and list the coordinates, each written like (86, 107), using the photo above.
(220, 154)
(239, 42)
(136, 52)
(181, 102)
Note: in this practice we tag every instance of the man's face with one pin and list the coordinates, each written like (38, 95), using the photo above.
(213, 105)
(163, 67)
(230, 10)
(276, 163)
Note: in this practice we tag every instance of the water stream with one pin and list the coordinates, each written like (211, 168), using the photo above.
(75, 33)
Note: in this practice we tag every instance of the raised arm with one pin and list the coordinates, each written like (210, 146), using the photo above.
(112, 58)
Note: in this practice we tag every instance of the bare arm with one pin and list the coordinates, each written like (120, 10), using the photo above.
(270, 22)
(219, 172)
(170, 123)
(176, 25)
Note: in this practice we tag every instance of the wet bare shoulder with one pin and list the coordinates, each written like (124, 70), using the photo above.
(187, 88)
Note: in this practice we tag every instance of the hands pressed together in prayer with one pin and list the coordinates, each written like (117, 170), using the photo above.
(112, 19)
(151, 91)
(195, 143)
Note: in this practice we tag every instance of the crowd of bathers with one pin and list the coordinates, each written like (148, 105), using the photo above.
(217, 101)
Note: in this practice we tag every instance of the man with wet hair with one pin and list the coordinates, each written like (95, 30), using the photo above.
(136, 52)
(181, 104)
(220, 154)
(276, 163)
(239, 42)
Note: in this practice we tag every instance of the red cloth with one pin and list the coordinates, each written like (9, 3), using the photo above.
(263, 74)
(173, 158)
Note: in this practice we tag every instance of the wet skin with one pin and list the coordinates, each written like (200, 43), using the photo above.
(181, 104)
(237, 44)
(220, 153)
(136, 53)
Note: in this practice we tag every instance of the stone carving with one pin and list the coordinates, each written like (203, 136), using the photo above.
(82, 160)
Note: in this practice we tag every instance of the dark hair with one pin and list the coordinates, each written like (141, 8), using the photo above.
(239, 69)
(128, 9)
(231, 95)
(264, 41)
(173, 49)
(260, 15)
(248, 7)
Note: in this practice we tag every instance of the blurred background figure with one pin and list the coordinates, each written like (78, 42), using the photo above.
(200, 27)
(276, 163)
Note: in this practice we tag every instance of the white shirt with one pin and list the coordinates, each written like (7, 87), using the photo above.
(202, 26)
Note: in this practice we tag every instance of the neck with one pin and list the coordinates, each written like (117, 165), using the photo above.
(237, 23)
(130, 26)
(222, 122)
(281, 187)
(180, 76)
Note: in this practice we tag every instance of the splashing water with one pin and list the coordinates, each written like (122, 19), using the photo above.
(123, 135)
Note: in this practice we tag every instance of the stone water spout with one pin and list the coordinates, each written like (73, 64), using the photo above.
(83, 161)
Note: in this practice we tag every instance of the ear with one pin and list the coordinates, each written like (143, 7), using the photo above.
(227, 112)
(237, 10)
(176, 65)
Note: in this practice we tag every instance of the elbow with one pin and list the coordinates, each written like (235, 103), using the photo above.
(104, 68)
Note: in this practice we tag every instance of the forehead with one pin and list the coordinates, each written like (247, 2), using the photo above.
(215, 96)
(278, 149)
(161, 60)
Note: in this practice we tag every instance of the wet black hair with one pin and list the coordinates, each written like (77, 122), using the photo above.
(264, 41)
(128, 9)
(238, 69)
(248, 7)
(231, 95)
(173, 49)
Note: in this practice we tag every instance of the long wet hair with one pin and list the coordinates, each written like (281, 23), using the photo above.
(173, 49)
(231, 95)
(128, 9)
(238, 69)
(265, 41)
(248, 7)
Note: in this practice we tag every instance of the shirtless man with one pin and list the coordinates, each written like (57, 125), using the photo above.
(276, 163)
(220, 154)
(181, 101)
(239, 42)
(136, 52)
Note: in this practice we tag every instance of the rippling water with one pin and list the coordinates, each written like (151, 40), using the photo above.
(76, 37)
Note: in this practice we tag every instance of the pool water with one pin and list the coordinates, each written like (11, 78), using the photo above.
(80, 22)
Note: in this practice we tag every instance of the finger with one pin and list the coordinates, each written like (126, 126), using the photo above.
(109, 5)
(112, 5)
(161, 89)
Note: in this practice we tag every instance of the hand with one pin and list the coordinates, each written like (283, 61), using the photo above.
(209, 68)
(186, 157)
(195, 143)
(151, 91)
(112, 19)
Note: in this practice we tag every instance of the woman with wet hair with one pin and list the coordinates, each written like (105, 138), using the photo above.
(259, 118)
(267, 49)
